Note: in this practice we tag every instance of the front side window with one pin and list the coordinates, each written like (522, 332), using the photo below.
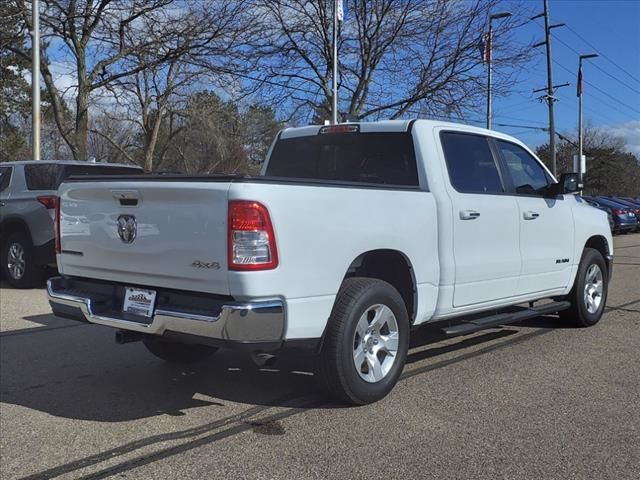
(5, 177)
(526, 173)
(470, 162)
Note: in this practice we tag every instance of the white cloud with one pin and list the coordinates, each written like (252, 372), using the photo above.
(630, 133)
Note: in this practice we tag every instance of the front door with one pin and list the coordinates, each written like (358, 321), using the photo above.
(546, 223)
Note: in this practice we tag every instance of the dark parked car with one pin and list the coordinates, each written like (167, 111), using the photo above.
(635, 206)
(28, 197)
(624, 218)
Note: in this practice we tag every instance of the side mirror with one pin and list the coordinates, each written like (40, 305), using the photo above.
(569, 183)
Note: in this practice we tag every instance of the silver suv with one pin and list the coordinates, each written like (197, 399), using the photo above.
(28, 196)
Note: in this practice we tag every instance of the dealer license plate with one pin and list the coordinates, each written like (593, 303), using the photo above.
(139, 302)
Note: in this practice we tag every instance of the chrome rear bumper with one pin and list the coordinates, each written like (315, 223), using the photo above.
(262, 321)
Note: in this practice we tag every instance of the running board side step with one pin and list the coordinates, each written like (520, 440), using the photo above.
(500, 319)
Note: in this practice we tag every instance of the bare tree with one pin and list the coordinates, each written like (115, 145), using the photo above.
(396, 56)
(110, 40)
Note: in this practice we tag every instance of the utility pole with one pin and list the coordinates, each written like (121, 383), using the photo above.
(581, 161)
(338, 16)
(488, 58)
(35, 79)
(550, 97)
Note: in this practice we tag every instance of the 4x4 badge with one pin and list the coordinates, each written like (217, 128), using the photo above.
(127, 228)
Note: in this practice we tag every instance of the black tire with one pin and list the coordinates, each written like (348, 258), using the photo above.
(579, 314)
(30, 275)
(176, 352)
(337, 367)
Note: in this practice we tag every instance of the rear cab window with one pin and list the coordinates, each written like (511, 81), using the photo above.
(377, 158)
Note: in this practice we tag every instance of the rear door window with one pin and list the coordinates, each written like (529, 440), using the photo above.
(386, 158)
(43, 177)
(470, 162)
(5, 177)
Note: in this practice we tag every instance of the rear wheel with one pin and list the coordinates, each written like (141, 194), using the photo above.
(18, 262)
(366, 342)
(589, 294)
(175, 352)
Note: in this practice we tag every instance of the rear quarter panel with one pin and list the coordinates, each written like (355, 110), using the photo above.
(320, 231)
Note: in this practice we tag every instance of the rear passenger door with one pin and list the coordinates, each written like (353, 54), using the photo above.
(485, 221)
(546, 222)
(5, 180)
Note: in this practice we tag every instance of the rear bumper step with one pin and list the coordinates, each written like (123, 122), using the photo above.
(248, 322)
(500, 319)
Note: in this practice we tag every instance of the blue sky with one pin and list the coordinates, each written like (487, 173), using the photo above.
(612, 81)
(611, 97)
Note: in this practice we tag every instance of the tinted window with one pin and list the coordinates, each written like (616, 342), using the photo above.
(70, 170)
(470, 163)
(50, 176)
(379, 158)
(5, 177)
(42, 177)
(526, 173)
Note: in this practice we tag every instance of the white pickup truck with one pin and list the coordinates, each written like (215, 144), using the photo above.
(352, 235)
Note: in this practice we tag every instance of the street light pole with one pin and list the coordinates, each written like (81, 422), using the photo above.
(489, 56)
(35, 80)
(580, 162)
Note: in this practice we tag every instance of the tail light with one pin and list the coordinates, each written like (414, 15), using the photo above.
(617, 211)
(52, 203)
(251, 241)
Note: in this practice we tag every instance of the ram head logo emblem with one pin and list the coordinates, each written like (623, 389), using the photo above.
(127, 228)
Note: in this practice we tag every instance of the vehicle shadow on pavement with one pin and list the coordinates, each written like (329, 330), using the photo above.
(80, 373)
(76, 371)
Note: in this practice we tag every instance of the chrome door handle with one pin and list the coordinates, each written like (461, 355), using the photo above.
(469, 214)
(530, 215)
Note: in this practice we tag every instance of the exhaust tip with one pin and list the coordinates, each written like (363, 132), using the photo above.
(262, 359)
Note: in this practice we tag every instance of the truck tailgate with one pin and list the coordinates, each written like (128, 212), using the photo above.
(168, 234)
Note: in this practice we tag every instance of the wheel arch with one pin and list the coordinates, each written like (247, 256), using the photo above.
(12, 225)
(391, 266)
(599, 243)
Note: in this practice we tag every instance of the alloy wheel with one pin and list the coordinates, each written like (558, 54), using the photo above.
(15, 261)
(375, 343)
(593, 288)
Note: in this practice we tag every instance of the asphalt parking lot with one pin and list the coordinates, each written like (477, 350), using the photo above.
(537, 400)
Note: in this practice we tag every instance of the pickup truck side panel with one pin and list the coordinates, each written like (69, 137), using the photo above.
(426, 138)
(323, 231)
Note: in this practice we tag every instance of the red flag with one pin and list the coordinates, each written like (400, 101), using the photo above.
(579, 81)
(487, 48)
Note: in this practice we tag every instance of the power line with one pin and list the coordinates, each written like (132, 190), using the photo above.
(589, 83)
(605, 118)
(598, 89)
(530, 127)
(520, 119)
(595, 65)
(601, 54)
